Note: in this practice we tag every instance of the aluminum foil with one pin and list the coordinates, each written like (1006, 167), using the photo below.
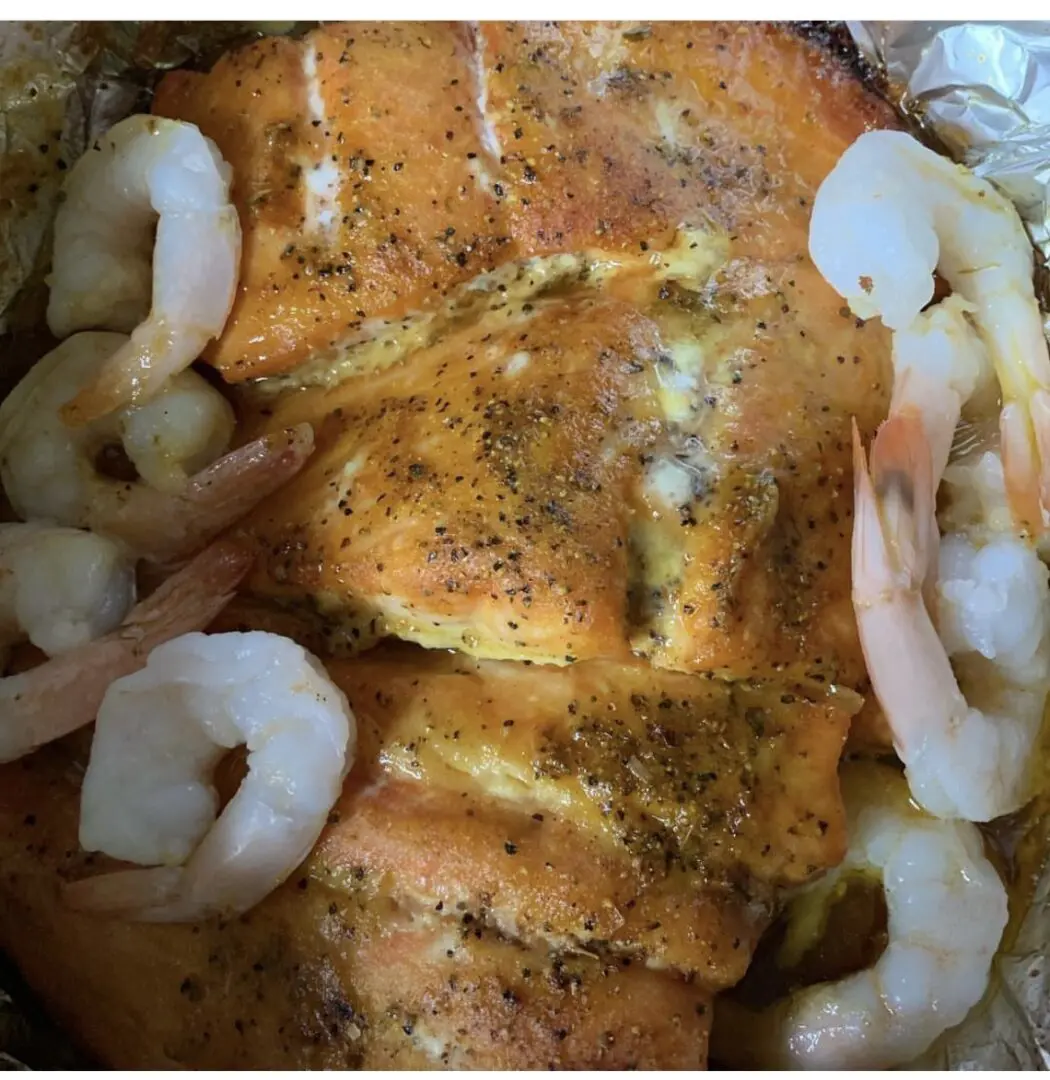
(980, 91)
(983, 91)
(61, 86)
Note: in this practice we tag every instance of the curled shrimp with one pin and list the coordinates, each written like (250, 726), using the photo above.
(946, 912)
(63, 694)
(146, 225)
(147, 796)
(889, 214)
(50, 471)
(61, 588)
(967, 759)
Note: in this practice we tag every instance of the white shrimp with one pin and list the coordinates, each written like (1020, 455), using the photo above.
(147, 795)
(61, 588)
(888, 215)
(146, 226)
(49, 470)
(63, 694)
(946, 910)
(939, 365)
(966, 756)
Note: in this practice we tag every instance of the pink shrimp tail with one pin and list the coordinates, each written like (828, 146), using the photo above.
(54, 699)
(223, 493)
(125, 892)
(893, 541)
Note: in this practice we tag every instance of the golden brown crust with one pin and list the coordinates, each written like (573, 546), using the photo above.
(460, 149)
(481, 479)
(482, 507)
(491, 494)
(662, 811)
(315, 977)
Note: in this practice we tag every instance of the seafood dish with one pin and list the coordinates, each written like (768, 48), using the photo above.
(527, 551)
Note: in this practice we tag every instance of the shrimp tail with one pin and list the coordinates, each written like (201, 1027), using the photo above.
(218, 497)
(128, 378)
(64, 694)
(893, 507)
(224, 492)
(190, 599)
(155, 894)
(125, 893)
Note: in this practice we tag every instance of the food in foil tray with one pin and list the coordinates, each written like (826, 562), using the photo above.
(523, 547)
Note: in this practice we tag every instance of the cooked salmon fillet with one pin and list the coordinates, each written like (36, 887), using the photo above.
(378, 166)
(528, 868)
(535, 484)
(319, 976)
(596, 399)
(582, 412)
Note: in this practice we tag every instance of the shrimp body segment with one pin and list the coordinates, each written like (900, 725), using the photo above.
(63, 694)
(147, 795)
(61, 588)
(969, 759)
(946, 909)
(172, 293)
(892, 212)
(939, 364)
(185, 493)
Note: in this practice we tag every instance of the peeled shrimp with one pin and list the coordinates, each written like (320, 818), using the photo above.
(888, 215)
(946, 909)
(147, 795)
(145, 174)
(49, 470)
(63, 694)
(61, 588)
(964, 758)
(939, 365)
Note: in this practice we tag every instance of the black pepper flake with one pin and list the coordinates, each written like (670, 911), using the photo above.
(510, 849)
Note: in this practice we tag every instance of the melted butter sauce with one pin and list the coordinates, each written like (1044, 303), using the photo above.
(690, 260)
